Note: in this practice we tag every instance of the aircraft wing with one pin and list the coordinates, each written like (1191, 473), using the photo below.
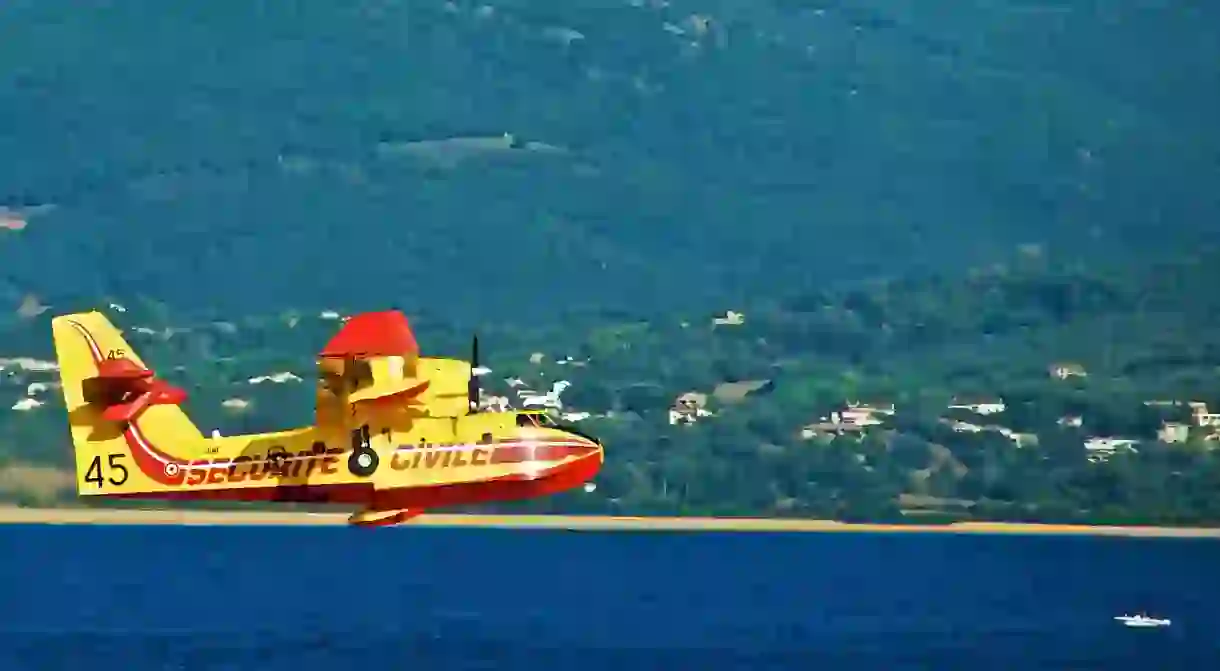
(391, 391)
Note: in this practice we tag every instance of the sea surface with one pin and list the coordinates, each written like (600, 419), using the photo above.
(144, 598)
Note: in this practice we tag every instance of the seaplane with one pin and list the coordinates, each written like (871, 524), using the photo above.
(395, 434)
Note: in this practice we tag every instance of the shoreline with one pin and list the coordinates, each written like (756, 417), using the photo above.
(100, 516)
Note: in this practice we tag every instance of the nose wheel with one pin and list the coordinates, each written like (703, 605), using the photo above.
(363, 461)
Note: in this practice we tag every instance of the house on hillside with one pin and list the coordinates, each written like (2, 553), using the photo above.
(575, 416)
(27, 404)
(11, 221)
(962, 427)
(236, 404)
(528, 398)
(275, 378)
(35, 388)
(1173, 432)
(852, 417)
(855, 412)
(1019, 439)
(979, 406)
(689, 408)
(28, 364)
(1200, 415)
(855, 417)
(1071, 421)
(730, 318)
(1101, 449)
(1066, 370)
(825, 428)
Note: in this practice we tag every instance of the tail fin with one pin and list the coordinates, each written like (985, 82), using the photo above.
(119, 412)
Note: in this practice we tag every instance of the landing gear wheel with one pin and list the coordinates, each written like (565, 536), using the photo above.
(363, 462)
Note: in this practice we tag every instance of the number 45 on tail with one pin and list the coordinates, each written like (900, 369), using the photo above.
(114, 471)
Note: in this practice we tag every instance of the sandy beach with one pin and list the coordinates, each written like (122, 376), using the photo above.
(14, 515)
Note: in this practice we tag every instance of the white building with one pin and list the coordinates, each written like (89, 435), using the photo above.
(979, 406)
(1173, 432)
(1200, 415)
(1100, 449)
(730, 318)
(689, 408)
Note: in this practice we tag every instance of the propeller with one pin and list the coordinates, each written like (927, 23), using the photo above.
(472, 388)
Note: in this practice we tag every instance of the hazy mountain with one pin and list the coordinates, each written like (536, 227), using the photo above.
(241, 156)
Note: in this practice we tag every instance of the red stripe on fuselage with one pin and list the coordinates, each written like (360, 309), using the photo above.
(557, 450)
(154, 463)
(514, 486)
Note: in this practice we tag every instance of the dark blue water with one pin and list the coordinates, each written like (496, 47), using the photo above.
(138, 599)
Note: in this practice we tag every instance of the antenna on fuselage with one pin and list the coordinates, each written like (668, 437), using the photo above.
(472, 388)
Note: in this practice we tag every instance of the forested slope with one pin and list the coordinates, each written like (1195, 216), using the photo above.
(661, 155)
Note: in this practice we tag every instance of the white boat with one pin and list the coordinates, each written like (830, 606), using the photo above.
(1142, 620)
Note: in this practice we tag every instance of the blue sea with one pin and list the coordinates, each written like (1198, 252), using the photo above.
(145, 598)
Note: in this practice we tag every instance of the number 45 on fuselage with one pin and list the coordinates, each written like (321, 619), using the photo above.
(394, 434)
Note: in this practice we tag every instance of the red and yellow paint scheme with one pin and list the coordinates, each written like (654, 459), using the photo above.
(395, 434)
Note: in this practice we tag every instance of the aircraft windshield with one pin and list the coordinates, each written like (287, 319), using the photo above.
(541, 420)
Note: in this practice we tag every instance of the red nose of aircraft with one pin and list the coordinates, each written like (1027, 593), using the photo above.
(587, 456)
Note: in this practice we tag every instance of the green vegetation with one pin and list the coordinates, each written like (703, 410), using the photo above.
(1141, 334)
(660, 156)
(592, 181)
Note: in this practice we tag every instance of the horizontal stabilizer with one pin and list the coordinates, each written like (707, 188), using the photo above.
(125, 389)
(156, 392)
(395, 391)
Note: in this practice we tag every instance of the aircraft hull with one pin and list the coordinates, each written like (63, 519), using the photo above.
(397, 457)
(543, 481)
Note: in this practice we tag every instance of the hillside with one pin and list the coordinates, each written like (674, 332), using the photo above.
(910, 203)
(1141, 333)
(242, 158)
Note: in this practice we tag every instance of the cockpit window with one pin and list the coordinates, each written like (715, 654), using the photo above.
(543, 420)
(331, 382)
(540, 420)
(358, 374)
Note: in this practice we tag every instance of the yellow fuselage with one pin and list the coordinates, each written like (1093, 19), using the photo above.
(390, 434)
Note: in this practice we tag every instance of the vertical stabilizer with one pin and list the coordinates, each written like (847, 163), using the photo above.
(129, 433)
